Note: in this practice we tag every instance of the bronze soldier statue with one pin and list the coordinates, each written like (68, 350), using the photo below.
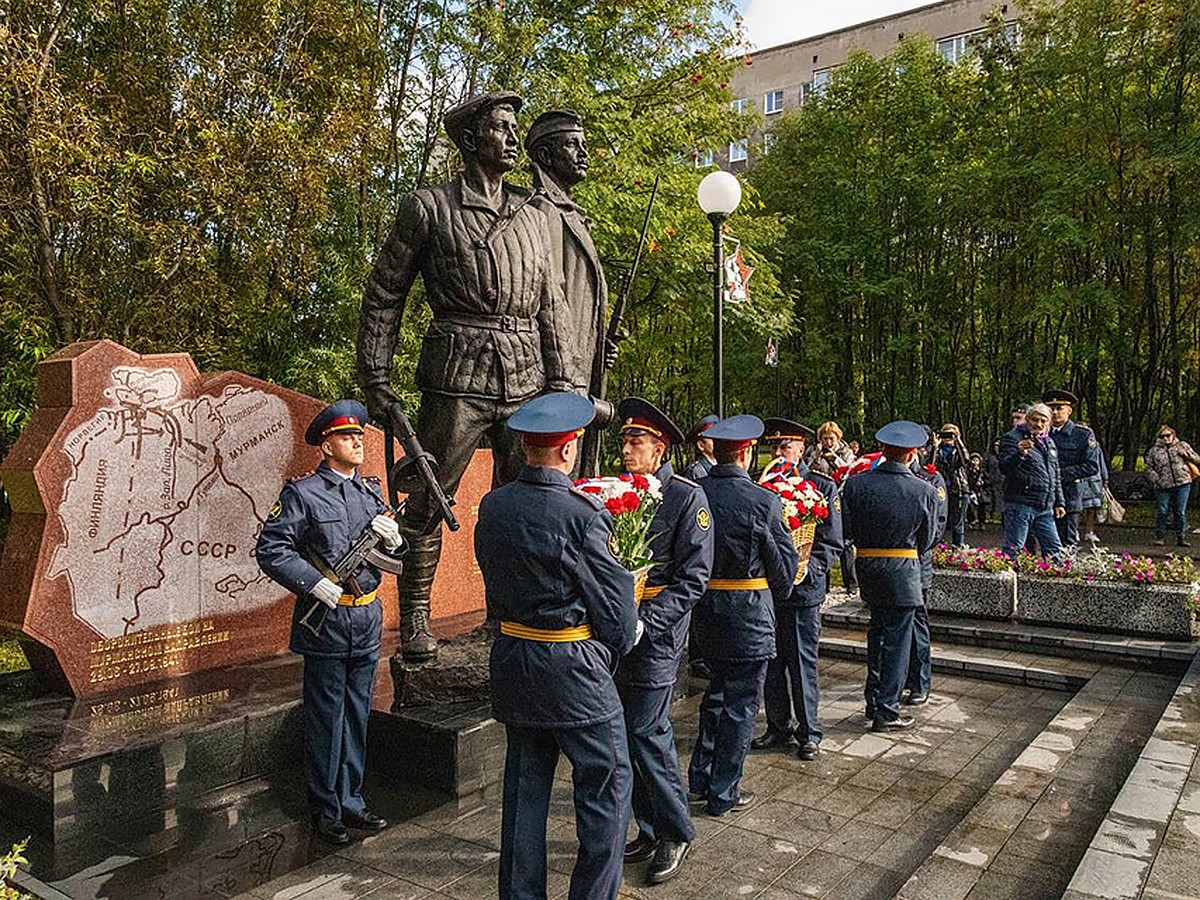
(484, 253)
(558, 151)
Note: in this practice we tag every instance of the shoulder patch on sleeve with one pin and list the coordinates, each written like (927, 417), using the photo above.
(941, 493)
(837, 503)
(613, 547)
(302, 476)
(703, 519)
(275, 511)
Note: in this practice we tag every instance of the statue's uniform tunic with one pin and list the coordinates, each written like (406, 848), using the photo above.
(798, 629)
(544, 550)
(491, 344)
(735, 628)
(891, 515)
(1079, 465)
(920, 663)
(682, 549)
(322, 513)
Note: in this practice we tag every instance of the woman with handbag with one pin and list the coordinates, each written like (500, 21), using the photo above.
(1171, 464)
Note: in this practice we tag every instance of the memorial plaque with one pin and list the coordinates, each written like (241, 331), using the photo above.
(138, 490)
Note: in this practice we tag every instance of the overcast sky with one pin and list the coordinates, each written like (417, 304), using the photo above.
(772, 22)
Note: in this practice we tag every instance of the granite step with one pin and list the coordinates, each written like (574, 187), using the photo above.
(1042, 639)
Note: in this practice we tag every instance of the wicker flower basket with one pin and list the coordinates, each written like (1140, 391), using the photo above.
(802, 540)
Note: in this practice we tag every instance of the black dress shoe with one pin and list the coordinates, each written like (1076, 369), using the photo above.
(745, 798)
(331, 832)
(695, 797)
(869, 715)
(897, 724)
(667, 861)
(366, 821)
(809, 750)
(916, 699)
(771, 738)
(640, 849)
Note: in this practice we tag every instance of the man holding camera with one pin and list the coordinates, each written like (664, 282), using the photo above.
(318, 516)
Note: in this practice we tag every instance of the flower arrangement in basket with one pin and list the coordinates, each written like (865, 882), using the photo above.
(804, 507)
(632, 500)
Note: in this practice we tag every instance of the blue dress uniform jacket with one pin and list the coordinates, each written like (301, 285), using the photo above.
(920, 664)
(1078, 461)
(1032, 478)
(827, 545)
(943, 513)
(683, 553)
(322, 513)
(750, 541)
(699, 469)
(889, 507)
(543, 547)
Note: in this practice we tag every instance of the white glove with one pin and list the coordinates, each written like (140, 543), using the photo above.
(327, 592)
(388, 531)
(638, 632)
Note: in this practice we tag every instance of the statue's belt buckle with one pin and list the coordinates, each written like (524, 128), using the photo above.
(509, 323)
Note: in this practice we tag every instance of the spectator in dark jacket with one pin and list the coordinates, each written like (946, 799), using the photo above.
(1167, 465)
(953, 462)
(995, 480)
(1033, 494)
(980, 492)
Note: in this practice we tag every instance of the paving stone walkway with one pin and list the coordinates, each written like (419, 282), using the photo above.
(857, 822)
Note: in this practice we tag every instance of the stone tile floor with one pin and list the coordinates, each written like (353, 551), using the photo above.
(855, 823)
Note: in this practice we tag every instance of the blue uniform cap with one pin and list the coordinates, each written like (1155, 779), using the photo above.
(777, 429)
(906, 435)
(1056, 397)
(640, 416)
(344, 416)
(701, 428)
(559, 413)
(736, 429)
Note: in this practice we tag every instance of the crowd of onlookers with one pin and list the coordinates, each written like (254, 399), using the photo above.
(1045, 480)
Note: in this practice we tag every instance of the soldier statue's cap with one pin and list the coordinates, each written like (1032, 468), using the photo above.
(1059, 397)
(640, 416)
(465, 113)
(556, 121)
(702, 427)
(906, 435)
(344, 416)
(777, 429)
(740, 430)
(552, 419)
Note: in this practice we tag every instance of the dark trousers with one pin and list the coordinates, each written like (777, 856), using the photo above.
(956, 519)
(727, 713)
(337, 704)
(920, 658)
(450, 428)
(794, 668)
(1068, 529)
(849, 574)
(889, 643)
(1176, 497)
(659, 799)
(602, 777)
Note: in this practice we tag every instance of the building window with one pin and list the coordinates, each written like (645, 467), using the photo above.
(739, 105)
(955, 47)
(704, 159)
(821, 79)
(738, 151)
(773, 102)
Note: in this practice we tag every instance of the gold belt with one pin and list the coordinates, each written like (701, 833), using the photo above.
(546, 635)
(737, 584)
(886, 553)
(351, 600)
(649, 593)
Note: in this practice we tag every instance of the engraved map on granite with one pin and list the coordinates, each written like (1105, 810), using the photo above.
(136, 547)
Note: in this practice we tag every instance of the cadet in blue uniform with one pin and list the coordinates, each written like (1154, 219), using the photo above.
(891, 515)
(754, 564)
(312, 526)
(920, 663)
(798, 617)
(704, 459)
(565, 606)
(682, 547)
(1078, 462)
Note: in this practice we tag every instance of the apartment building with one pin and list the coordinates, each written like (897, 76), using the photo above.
(783, 77)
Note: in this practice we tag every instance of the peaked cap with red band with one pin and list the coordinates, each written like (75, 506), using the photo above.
(736, 432)
(342, 417)
(552, 420)
(640, 416)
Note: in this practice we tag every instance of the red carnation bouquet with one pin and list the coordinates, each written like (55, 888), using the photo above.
(804, 507)
(632, 500)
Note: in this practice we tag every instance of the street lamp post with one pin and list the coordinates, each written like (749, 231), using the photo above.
(719, 195)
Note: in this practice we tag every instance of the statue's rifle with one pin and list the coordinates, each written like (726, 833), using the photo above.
(416, 457)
